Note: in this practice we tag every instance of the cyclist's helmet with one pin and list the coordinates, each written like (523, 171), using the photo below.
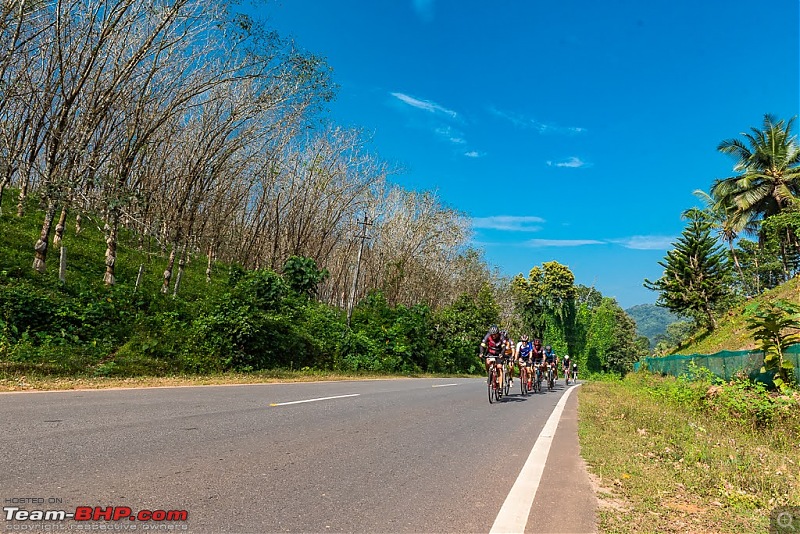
(548, 347)
(493, 330)
(537, 341)
(524, 338)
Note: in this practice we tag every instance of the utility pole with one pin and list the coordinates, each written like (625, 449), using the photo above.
(362, 235)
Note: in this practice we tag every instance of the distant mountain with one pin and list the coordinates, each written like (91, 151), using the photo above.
(651, 320)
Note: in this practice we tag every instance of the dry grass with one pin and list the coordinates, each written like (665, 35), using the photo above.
(45, 383)
(663, 467)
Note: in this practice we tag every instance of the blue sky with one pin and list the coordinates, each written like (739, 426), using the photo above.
(573, 131)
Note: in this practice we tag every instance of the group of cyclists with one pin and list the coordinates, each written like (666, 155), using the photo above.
(529, 357)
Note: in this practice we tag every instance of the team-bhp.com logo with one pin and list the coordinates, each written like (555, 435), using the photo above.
(94, 513)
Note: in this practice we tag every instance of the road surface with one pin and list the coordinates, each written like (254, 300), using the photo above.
(405, 455)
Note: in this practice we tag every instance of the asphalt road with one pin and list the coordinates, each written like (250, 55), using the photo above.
(408, 455)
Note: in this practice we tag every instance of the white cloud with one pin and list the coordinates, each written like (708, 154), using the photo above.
(451, 134)
(520, 121)
(573, 163)
(509, 223)
(474, 154)
(537, 243)
(425, 105)
(646, 242)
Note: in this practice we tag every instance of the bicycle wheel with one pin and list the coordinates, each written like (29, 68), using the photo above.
(507, 384)
(501, 383)
(523, 383)
(490, 386)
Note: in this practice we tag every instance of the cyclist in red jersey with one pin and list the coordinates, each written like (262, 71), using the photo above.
(493, 346)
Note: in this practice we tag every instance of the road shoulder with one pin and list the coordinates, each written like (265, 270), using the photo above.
(565, 501)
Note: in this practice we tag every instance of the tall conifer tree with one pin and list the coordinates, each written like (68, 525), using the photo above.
(696, 273)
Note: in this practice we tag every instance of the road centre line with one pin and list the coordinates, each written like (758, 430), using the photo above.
(443, 385)
(314, 400)
(513, 516)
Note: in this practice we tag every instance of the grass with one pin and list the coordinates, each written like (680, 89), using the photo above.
(16, 382)
(732, 332)
(662, 464)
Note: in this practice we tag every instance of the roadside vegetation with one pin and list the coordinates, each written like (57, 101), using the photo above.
(174, 201)
(689, 454)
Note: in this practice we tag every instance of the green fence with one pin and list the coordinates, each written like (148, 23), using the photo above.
(724, 364)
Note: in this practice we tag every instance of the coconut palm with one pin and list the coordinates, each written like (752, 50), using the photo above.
(721, 217)
(769, 173)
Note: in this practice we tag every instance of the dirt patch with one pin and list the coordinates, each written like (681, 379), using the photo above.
(606, 500)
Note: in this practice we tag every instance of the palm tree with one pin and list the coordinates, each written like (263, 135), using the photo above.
(769, 176)
(721, 218)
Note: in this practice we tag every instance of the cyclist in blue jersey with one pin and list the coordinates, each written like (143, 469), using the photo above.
(552, 362)
(524, 354)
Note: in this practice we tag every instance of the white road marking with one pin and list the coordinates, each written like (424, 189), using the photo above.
(513, 516)
(314, 400)
(443, 385)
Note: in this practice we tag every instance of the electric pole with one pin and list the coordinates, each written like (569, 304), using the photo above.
(362, 235)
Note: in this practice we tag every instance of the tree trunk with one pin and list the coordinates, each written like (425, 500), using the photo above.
(139, 278)
(23, 194)
(210, 259)
(40, 248)
(62, 222)
(62, 266)
(736, 260)
(3, 186)
(181, 264)
(711, 320)
(168, 270)
(111, 249)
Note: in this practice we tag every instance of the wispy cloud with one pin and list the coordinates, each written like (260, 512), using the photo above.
(521, 121)
(509, 223)
(474, 154)
(424, 9)
(538, 243)
(425, 105)
(573, 163)
(637, 242)
(451, 134)
(646, 242)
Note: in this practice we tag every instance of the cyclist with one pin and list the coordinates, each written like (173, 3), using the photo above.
(524, 352)
(537, 357)
(566, 367)
(508, 354)
(492, 347)
(550, 357)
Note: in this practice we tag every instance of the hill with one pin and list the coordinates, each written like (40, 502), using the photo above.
(732, 332)
(651, 321)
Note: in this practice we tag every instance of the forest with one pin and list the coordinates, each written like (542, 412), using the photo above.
(173, 200)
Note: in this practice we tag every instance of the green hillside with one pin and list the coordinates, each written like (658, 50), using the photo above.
(732, 332)
(651, 321)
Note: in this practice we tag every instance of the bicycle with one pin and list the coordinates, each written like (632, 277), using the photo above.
(506, 381)
(491, 383)
(551, 383)
(537, 384)
(524, 378)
